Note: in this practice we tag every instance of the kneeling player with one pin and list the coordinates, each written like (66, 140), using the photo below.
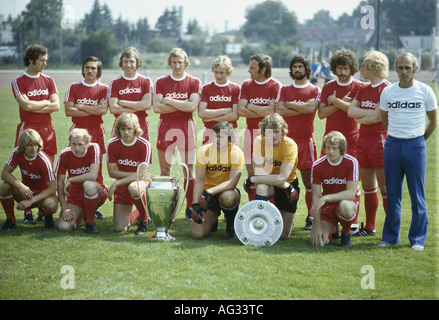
(218, 170)
(337, 173)
(124, 154)
(82, 191)
(275, 168)
(38, 186)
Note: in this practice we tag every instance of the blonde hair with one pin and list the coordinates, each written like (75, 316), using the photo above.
(273, 121)
(128, 53)
(223, 61)
(378, 63)
(29, 136)
(127, 119)
(77, 133)
(178, 52)
(336, 138)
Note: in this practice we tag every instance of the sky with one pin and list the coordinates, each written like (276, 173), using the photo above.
(213, 15)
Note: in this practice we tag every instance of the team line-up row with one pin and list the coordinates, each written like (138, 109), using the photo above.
(367, 126)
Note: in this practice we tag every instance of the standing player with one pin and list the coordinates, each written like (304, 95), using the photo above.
(219, 99)
(298, 104)
(38, 186)
(337, 174)
(370, 151)
(256, 101)
(219, 167)
(81, 189)
(405, 107)
(37, 97)
(336, 97)
(131, 92)
(124, 154)
(176, 97)
(86, 101)
(275, 169)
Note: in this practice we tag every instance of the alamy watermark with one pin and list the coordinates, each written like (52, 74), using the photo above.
(368, 281)
(68, 280)
(368, 20)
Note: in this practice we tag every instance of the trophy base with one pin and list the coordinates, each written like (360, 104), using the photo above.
(162, 236)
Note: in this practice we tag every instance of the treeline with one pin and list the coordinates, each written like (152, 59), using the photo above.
(99, 33)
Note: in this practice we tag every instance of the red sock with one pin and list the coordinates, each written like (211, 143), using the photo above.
(90, 206)
(8, 206)
(141, 209)
(370, 206)
(190, 191)
(308, 199)
(78, 221)
(384, 195)
(252, 196)
(133, 216)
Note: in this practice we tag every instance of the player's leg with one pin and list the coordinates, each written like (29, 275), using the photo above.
(70, 224)
(140, 203)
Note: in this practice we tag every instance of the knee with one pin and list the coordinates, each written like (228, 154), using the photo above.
(263, 190)
(347, 209)
(50, 205)
(229, 198)
(90, 187)
(133, 189)
(65, 226)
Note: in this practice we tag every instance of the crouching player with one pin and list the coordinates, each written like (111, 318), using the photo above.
(38, 186)
(124, 154)
(337, 173)
(275, 169)
(218, 170)
(82, 191)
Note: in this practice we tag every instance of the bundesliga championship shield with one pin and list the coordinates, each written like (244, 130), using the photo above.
(163, 202)
(258, 223)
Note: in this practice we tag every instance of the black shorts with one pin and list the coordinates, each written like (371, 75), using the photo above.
(282, 199)
(214, 204)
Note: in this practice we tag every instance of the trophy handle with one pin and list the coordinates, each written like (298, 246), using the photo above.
(138, 185)
(185, 187)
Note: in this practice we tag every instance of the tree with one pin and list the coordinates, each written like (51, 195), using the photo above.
(169, 23)
(100, 43)
(99, 18)
(270, 22)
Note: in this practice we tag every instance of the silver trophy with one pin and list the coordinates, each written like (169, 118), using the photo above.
(258, 223)
(163, 200)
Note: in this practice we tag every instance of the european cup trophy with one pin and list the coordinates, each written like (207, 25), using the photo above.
(163, 200)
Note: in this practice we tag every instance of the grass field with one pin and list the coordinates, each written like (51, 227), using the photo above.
(114, 265)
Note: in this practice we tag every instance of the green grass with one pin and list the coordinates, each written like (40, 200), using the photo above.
(114, 265)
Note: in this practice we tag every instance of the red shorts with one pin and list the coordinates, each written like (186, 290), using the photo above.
(97, 135)
(249, 138)
(180, 134)
(307, 153)
(370, 151)
(330, 214)
(76, 196)
(47, 133)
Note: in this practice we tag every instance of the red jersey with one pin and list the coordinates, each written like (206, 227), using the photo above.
(178, 89)
(75, 166)
(369, 97)
(300, 126)
(259, 94)
(333, 177)
(86, 94)
(339, 120)
(128, 156)
(37, 88)
(36, 172)
(131, 89)
(219, 96)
